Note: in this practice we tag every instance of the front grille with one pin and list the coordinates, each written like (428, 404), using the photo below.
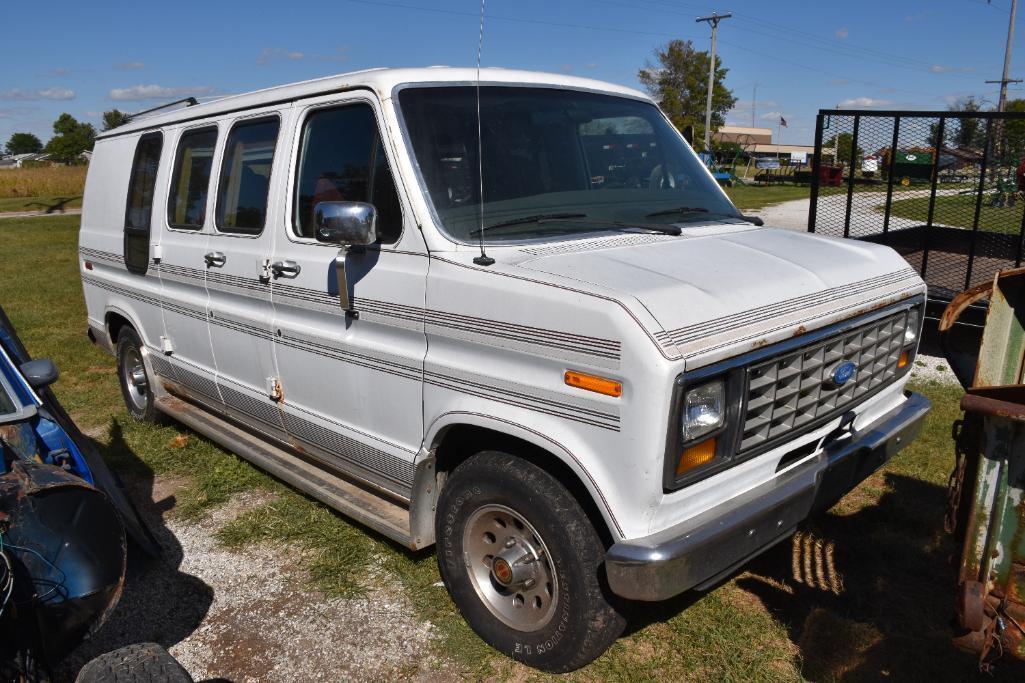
(793, 390)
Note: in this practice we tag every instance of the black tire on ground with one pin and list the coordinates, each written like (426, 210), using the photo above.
(138, 398)
(501, 493)
(139, 663)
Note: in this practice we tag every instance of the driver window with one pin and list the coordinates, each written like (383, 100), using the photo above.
(341, 159)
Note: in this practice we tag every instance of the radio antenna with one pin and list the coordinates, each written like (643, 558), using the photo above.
(483, 259)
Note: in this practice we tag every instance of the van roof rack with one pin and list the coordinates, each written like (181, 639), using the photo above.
(189, 102)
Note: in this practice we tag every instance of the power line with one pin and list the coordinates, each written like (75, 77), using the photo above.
(521, 20)
(809, 40)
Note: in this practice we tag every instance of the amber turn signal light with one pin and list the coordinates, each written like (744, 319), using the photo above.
(696, 456)
(903, 360)
(601, 385)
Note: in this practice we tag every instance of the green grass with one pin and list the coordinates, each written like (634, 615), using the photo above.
(750, 197)
(875, 605)
(13, 204)
(959, 211)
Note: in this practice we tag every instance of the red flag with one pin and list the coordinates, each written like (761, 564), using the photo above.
(782, 122)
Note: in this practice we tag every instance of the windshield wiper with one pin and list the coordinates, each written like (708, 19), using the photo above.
(537, 218)
(679, 209)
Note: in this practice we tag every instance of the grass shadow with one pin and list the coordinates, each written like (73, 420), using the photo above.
(871, 594)
(58, 206)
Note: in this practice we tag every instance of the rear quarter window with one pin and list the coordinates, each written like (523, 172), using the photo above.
(139, 210)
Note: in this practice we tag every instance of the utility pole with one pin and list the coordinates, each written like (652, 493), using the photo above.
(712, 21)
(1007, 60)
(1002, 102)
(754, 104)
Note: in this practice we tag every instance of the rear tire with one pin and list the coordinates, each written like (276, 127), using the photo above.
(524, 564)
(139, 663)
(136, 382)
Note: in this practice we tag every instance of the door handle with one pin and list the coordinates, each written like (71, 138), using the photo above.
(289, 268)
(215, 258)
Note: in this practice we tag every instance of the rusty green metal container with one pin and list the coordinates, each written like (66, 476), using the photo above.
(987, 490)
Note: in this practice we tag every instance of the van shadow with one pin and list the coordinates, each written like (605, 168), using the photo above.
(160, 603)
(869, 595)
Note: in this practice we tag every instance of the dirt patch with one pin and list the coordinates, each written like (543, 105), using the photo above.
(264, 625)
(249, 615)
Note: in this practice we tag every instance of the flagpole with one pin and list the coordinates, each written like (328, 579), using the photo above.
(779, 134)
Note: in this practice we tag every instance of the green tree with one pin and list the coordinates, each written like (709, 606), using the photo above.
(678, 81)
(24, 143)
(841, 144)
(1014, 130)
(967, 133)
(70, 139)
(115, 118)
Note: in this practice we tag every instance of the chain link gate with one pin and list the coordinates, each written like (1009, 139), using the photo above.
(952, 209)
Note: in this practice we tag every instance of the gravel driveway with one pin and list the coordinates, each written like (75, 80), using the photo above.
(248, 616)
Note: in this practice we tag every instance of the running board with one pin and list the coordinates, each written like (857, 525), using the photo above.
(371, 509)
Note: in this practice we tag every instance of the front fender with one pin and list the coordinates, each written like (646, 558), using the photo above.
(436, 430)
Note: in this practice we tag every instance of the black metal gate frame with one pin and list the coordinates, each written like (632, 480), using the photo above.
(897, 116)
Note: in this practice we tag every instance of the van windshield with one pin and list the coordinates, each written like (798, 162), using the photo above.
(555, 162)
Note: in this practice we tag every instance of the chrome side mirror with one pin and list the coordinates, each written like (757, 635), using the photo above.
(347, 224)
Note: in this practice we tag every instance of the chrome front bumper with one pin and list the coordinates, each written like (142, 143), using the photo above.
(699, 551)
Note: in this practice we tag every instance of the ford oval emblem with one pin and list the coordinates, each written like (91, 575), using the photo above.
(842, 373)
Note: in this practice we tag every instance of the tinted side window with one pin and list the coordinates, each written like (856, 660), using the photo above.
(245, 177)
(341, 159)
(139, 210)
(186, 205)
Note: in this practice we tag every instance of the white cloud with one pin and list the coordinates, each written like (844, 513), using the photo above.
(18, 94)
(17, 112)
(864, 102)
(841, 33)
(941, 69)
(156, 92)
(341, 54)
(131, 66)
(745, 105)
(772, 116)
(269, 54)
(56, 94)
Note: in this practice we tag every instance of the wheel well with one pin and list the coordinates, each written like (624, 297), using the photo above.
(459, 442)
(115, 322)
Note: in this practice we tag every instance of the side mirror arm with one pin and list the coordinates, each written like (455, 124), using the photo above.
(344, 300)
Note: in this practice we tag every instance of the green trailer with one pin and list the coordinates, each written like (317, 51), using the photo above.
(912, 165)
(987, 487)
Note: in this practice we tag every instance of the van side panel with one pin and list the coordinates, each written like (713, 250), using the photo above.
(108, 286)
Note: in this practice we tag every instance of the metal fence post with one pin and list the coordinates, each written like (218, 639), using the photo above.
(932, 193)
(816, 169)
(889, 174)
(978, 206)
(850, 175)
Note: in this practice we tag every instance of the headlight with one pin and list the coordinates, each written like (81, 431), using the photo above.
(704, 410)
(911, 331)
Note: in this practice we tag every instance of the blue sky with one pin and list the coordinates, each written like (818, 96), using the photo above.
(84, 58)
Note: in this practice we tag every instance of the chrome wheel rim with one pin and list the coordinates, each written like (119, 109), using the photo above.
(133, 372)
(510, 568)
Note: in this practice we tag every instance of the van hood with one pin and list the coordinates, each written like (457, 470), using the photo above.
(727, 286)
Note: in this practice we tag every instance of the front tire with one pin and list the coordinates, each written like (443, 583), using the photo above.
(136, 382)
(523, 563)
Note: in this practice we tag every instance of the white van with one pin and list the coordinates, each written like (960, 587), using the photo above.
(557, 350)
